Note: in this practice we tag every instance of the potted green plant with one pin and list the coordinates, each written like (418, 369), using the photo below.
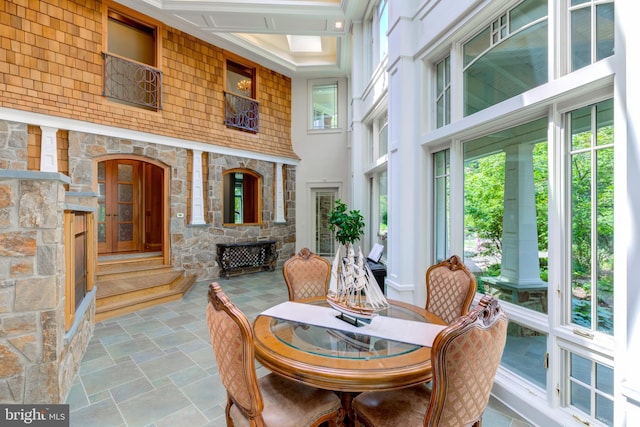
(348, 225)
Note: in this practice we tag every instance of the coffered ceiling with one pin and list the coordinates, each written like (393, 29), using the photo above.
(289, 36)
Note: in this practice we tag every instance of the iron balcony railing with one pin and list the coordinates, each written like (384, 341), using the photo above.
(132, 82)
(241, 112)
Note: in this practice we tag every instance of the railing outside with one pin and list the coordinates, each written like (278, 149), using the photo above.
(241, 112)
(132, 82)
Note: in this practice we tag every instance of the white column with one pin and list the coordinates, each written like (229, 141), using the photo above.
(48, 150)
(627, 214)
(197, 195)
(279, 216)
(520, 264)
(355, 194)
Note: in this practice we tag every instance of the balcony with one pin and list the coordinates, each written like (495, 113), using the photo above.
(241, 112)
(132, 82)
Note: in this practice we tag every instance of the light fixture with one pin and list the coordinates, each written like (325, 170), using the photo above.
(338, 25)
(244, 86)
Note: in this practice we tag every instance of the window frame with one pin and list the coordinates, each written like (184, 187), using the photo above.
(132, 18)
(241, 111)
(255, 190)
(593, 6)
(562, 93)
(247, 65)
(377, 126)
(496, 33)
(445, 94)
(311, 85)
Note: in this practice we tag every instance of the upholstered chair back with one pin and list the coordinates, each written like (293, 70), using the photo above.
(306, 275)
(232, 340)
(465, 358)
(450, 289)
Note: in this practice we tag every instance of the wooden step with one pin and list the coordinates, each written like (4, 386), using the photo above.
(120, 293)
(130, 265)
(127, 271)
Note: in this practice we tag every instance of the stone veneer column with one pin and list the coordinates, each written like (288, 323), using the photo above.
(31, 285)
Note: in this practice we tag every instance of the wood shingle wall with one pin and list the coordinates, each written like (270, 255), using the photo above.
(51, 63)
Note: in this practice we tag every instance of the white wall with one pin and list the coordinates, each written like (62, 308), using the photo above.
(324, 156)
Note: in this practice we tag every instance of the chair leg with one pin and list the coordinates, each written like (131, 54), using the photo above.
(227, 411)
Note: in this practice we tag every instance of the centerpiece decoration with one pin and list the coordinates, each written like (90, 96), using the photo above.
(353, 289)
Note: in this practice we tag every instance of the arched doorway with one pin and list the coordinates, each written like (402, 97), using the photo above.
(131, 207)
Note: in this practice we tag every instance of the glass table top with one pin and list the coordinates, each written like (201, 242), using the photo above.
(340, 344)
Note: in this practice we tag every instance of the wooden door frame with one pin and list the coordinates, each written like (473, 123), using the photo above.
(165, 191)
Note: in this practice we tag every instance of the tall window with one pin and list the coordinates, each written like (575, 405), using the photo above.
(505, 213)
(505, 230)
(442, 210)
(591, 31)
(382, 211)
(378, 148)
(537, 220)
(591, 158)
(506, 58)
(376, 27)
(324, 105)
(383, 26)
(130, 59)
(241, 197)
(443, 92)
(242, 111)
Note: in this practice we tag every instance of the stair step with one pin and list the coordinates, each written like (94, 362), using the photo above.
(130, 265)
(136, 283)
(136, 272)
(122, 293)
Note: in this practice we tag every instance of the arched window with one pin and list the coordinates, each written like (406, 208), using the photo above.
(242, 197)
(506, 58)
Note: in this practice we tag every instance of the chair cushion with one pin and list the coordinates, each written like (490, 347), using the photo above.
(290, 404)
(395, 408)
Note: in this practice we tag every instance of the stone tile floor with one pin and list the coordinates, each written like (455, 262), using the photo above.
(156, 367)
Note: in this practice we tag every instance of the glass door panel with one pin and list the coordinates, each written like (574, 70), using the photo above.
(119, 206)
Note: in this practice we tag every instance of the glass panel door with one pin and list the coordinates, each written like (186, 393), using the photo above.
(323, 238)
(118, 206)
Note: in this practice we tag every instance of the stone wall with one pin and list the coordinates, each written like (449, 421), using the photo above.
(39, 358)
(193, 248)
(32, 276)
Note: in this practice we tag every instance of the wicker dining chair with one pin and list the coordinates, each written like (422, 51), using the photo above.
(306, 275)
(450, 289)
(271, 400)
(465, 358)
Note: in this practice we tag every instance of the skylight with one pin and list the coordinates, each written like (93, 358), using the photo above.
(305, 43)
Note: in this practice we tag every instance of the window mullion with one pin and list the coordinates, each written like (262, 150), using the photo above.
(594, 219)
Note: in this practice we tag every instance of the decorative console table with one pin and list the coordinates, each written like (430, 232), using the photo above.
(233, 257)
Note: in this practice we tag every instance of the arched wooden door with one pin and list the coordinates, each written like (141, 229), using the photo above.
(130, 206)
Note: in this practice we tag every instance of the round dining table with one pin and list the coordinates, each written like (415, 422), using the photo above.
(343, 361)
